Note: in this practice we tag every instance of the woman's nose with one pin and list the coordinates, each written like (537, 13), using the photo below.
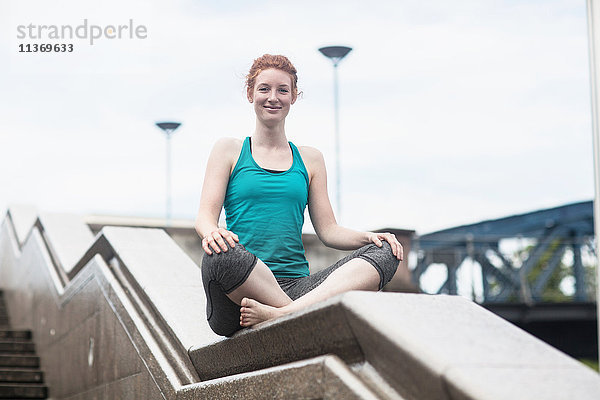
(273, 95)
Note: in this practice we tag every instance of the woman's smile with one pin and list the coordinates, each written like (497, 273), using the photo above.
(272, 95)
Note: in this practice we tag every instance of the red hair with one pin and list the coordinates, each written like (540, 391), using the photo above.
(268, 61)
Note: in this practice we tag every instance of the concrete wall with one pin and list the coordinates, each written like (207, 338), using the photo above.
(317, 254)
(82, 333)
(117, 320)
(121, 315)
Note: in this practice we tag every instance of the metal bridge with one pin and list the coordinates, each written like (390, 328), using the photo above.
(555, 230)
(514, 288)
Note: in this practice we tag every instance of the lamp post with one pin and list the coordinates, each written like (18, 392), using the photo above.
(168, 128)
(336, 54)
(593, 17)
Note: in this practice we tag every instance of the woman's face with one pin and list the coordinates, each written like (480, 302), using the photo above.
(272, 95)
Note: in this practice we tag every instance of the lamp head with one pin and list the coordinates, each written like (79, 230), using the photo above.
(335, 53)
(168, 127)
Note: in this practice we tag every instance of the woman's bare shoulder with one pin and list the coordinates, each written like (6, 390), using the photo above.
(313, 160)
(310, 154)
(228, 147)
(228, 143)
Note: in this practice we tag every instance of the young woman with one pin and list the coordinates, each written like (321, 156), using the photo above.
(255, 270)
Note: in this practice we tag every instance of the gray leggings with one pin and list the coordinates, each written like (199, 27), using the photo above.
(226, 271)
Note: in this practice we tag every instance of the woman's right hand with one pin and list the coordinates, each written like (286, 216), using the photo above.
(216, 241)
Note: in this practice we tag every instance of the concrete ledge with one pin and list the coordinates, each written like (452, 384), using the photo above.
(134, 291)
(516, 383)
(22, 219)
(422, 346)
(126, 282)
(325, 377)
(414, 340)
(322, 329)
(67, 238)
(166, 279)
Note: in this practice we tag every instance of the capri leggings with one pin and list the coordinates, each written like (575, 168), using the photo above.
(226, 271)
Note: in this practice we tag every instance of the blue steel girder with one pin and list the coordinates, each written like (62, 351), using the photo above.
(556, 233)
(579, 216)
(421, 267)
(487, 269)
(578, 271)
(571, 222)
(507, 276)
(452, 260)
(505, 263)
(542, 280)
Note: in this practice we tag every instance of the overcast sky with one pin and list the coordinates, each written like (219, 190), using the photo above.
(450, 112)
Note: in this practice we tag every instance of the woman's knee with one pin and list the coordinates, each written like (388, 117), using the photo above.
(230, 268)
(383, 259)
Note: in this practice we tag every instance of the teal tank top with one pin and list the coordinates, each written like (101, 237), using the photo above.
(266, 210)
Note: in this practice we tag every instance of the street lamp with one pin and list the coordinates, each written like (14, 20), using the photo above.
(593, 19)
(168, 128)
(336, 54)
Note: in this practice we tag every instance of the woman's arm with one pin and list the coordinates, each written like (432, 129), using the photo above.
(321, 213)
(216, 178)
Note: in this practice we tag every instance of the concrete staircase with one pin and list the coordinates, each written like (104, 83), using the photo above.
(20, 375)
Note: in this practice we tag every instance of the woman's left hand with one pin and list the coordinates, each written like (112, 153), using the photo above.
(377, 238)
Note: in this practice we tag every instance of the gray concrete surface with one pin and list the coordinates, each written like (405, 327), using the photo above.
(93, 333)
(98, 336)
(168, 277)
(321, 329)
(82, 342)
(421, 345)
(515, 383)
(69, 237)
(325, 377)
(120, 328)
(23, 217)
(432, 336)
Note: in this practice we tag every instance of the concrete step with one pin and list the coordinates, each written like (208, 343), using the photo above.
(7, 334)
(324, 377)
(12, 375)
(23, 391)
(19, 360)
(15, 346)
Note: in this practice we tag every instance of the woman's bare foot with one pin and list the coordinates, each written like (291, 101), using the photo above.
(253, 312)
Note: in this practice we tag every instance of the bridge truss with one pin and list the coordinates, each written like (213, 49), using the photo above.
(554, 231)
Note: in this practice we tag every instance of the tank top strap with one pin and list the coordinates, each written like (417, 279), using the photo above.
(246, 152)
(298, 162)
(243, 158)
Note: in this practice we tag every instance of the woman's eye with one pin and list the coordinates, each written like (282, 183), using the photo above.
(283, 90)
(262, 89)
